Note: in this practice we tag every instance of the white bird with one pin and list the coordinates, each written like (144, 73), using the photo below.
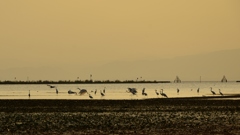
(163, 94)
(220, 92)
(212, 91)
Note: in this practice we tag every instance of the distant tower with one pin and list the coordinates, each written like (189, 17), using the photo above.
(224, 79)
(177, 80)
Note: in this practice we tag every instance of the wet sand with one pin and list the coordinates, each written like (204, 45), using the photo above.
(151, 116)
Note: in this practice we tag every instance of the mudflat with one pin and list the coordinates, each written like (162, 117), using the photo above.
(150, 116)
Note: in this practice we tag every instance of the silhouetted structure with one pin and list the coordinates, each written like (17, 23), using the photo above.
(224, 79)
(177, 80)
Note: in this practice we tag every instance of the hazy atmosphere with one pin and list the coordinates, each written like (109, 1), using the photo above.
(125, 40)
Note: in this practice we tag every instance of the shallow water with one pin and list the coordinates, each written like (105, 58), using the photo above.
(117, 91)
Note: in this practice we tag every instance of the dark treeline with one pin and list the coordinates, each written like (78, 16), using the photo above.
(78, 82)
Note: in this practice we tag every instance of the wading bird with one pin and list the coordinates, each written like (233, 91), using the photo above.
(143, 92)
(132, 90)
(178, 90)
(156, 92)
(71, 92)
(95, 92)
(29, 94)
(56, 91)
(51, 86)
(82, 91)
(198, 90)
(163, 94)
(220, 92)
(104, 89)
(90, 96)
(102, 93)
(212, 91)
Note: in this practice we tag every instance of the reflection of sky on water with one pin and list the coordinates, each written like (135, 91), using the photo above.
(117, 91)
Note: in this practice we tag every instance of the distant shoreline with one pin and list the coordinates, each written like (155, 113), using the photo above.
(87, 82)
(80, 82)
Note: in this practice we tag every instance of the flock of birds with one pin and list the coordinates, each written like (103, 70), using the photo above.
(133, 91)
(81, 91)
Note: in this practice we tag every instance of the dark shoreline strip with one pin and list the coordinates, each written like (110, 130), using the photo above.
(80, 82)
(5, 103)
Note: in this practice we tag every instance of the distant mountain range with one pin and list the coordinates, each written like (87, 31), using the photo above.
(210, 66)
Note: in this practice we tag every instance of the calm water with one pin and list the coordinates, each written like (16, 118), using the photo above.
(117, 91)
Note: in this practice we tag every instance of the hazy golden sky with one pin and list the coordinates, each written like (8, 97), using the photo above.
(98, 31)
